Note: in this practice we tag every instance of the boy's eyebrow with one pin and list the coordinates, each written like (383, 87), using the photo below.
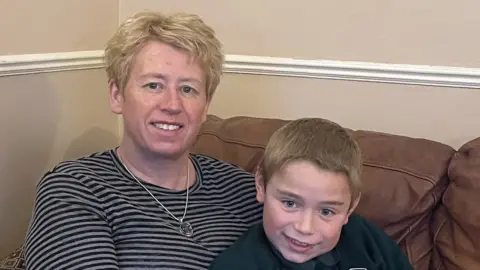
(332, 202)
(288, 194)
(295, 196)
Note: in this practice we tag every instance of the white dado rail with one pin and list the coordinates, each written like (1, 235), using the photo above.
(457, 77)
(49, 62)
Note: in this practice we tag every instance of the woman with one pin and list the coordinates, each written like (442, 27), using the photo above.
(148, 203)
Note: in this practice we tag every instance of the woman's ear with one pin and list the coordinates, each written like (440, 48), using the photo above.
(259, 185)
(115, 97)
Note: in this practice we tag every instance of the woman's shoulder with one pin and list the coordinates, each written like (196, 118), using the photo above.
(214, 169)
(211, 164)
(81, 169)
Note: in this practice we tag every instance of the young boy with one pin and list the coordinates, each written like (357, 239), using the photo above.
(309, 184)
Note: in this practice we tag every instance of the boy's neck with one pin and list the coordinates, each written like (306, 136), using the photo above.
(328, 259)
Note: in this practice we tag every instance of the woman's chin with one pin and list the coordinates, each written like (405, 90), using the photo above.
(168, 150)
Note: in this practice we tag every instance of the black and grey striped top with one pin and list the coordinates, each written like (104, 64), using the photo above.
(91, 214)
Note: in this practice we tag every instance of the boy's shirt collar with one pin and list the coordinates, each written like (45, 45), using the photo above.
(328, 260)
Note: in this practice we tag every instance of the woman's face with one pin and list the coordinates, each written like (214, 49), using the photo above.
(164, 102)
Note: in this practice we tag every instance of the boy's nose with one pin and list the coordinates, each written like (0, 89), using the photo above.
(305, 224)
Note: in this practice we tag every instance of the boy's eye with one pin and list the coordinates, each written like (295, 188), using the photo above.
(289, 204)
(326, 212)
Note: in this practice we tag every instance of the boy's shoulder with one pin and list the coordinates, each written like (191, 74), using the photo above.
(360, 229)
(250, 251)
(361, 244)
(363, 241)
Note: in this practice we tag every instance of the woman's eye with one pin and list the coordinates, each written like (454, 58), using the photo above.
(289, 204)
(187, 89)
(153, 86)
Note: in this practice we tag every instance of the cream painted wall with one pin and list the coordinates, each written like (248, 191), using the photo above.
(398, 32)
(442, 114)
(49, 117)
(32, 26)
(409, 32)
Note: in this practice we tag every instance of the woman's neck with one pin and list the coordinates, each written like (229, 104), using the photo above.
(159, 171)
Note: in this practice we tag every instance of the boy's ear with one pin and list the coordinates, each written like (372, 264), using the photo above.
(352, 208)
(259, 185)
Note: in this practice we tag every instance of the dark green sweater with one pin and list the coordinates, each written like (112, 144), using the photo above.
(362, 245)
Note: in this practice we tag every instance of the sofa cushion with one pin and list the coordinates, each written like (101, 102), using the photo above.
(14, 261)
(238, 140)
(457, 224)
(403, 177)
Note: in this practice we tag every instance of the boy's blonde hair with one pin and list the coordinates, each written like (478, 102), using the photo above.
(321, 142)
(186, 32)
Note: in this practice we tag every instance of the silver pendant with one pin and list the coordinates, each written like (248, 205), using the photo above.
(186, 229)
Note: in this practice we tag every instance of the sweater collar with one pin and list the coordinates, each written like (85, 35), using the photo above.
(329, 260)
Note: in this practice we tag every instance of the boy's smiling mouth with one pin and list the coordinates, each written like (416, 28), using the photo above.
(298, 245)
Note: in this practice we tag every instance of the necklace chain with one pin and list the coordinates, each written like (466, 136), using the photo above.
(146, 189)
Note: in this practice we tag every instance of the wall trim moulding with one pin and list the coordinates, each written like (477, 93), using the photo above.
(355, 71)
(49, 62)
(271, 66)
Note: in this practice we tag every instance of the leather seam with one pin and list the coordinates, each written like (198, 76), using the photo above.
(401, 170)
(437, 231)
(232, 141)
(365, 162)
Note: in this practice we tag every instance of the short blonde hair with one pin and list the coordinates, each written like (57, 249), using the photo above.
(321, 142)
(182, 31)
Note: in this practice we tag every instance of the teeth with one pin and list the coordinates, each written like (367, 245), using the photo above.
(166, 126)
(299, 243)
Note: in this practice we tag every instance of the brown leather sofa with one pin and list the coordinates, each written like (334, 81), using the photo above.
(423, 193)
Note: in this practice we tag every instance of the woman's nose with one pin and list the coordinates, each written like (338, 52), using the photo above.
(171, 101)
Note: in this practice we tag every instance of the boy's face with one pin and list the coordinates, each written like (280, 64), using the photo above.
(305, 209)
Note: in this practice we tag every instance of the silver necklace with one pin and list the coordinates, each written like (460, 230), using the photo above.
(184, 228)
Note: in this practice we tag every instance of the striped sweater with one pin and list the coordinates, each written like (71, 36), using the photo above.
(91, 214)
